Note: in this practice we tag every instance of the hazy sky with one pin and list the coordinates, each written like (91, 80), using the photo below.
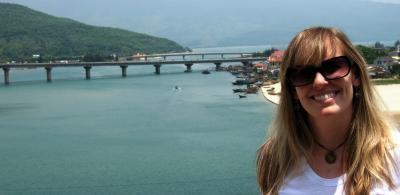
(231, 22)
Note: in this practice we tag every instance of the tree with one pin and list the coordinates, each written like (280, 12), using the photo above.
(379, 45)
(93, 58)
(268, 52)
(40, 59)
(397, 44)
(258, 54)
(370, 54)
(395, 70)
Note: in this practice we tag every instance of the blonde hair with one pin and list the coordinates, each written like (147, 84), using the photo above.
(290, 138)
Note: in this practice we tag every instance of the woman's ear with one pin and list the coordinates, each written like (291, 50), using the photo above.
(356, 81)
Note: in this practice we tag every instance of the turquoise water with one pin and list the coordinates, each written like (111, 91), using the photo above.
(134, 135)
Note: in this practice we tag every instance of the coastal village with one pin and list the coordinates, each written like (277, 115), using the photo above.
(264, 76)
(255, 76)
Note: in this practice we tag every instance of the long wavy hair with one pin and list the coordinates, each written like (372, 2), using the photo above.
(291, 140)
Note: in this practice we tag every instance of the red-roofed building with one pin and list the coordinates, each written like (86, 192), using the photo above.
(276, 58)
(260, 67)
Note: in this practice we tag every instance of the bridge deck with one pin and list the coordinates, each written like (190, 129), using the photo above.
(128, 63)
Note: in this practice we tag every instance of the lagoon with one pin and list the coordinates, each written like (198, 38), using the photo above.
(133, 135)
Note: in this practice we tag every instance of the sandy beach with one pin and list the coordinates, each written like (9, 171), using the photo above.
(271, 92)
(390, 95)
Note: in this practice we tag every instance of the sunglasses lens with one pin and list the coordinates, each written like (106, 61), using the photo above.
(302, 77)
(335, 68)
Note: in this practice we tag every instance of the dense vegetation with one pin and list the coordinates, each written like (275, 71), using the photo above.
(379, 50)
(371, 53)
(386, 81)
(265, 53)
(25, 32)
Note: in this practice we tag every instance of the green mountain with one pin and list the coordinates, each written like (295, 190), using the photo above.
(25, 32)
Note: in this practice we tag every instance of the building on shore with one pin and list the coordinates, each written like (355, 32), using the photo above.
(276, 58)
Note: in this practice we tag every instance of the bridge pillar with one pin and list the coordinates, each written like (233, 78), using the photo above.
(157, 66)
(87, 70)
(217, 66)
(188, 67)
(202, 56)
(48, 73)
(123, 68)
(222, 55)
(6, 75)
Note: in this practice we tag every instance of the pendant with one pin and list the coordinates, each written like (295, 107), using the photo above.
(330, 157)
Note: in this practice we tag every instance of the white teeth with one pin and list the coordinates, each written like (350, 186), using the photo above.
(323, 97)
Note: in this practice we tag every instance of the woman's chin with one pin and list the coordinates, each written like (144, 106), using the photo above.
(330, 110)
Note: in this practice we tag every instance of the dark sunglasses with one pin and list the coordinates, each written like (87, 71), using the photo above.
(334, 68)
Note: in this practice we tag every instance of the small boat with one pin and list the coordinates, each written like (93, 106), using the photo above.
(242, 96)
(238, 90)
(176, 88)
(205, 72)
(243, 82)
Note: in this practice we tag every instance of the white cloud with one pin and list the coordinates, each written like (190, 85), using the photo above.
(386, 1)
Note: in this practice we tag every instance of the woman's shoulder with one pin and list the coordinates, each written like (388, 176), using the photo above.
(395, 147)
(396, 141)
(396, 159)
(394, 171)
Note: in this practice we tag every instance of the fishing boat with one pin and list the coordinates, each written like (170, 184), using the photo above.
(242, 96)
(239, 90)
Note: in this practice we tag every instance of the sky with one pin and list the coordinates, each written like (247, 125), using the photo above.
(207, 23)
(387, 1)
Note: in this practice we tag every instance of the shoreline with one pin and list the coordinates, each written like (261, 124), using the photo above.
(389, 95)
(271, 92)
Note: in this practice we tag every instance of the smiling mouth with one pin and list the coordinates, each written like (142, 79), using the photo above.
(324, 96)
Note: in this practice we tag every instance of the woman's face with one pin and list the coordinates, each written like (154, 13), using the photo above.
(327, 97)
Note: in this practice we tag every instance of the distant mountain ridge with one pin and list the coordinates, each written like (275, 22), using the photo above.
(25, 32)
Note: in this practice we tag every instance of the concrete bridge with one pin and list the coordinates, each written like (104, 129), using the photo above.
(124, 65)
(183, 55)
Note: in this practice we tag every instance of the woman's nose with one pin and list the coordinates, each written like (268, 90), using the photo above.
(319, 80)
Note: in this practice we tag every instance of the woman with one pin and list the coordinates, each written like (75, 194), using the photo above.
(329, 136)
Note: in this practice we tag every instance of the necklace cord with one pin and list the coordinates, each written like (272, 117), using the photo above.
(327, 149)
(330, 156)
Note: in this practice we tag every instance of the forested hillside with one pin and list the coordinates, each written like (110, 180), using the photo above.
(25, 32)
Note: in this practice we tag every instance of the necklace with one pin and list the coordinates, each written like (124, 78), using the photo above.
(330, 156)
